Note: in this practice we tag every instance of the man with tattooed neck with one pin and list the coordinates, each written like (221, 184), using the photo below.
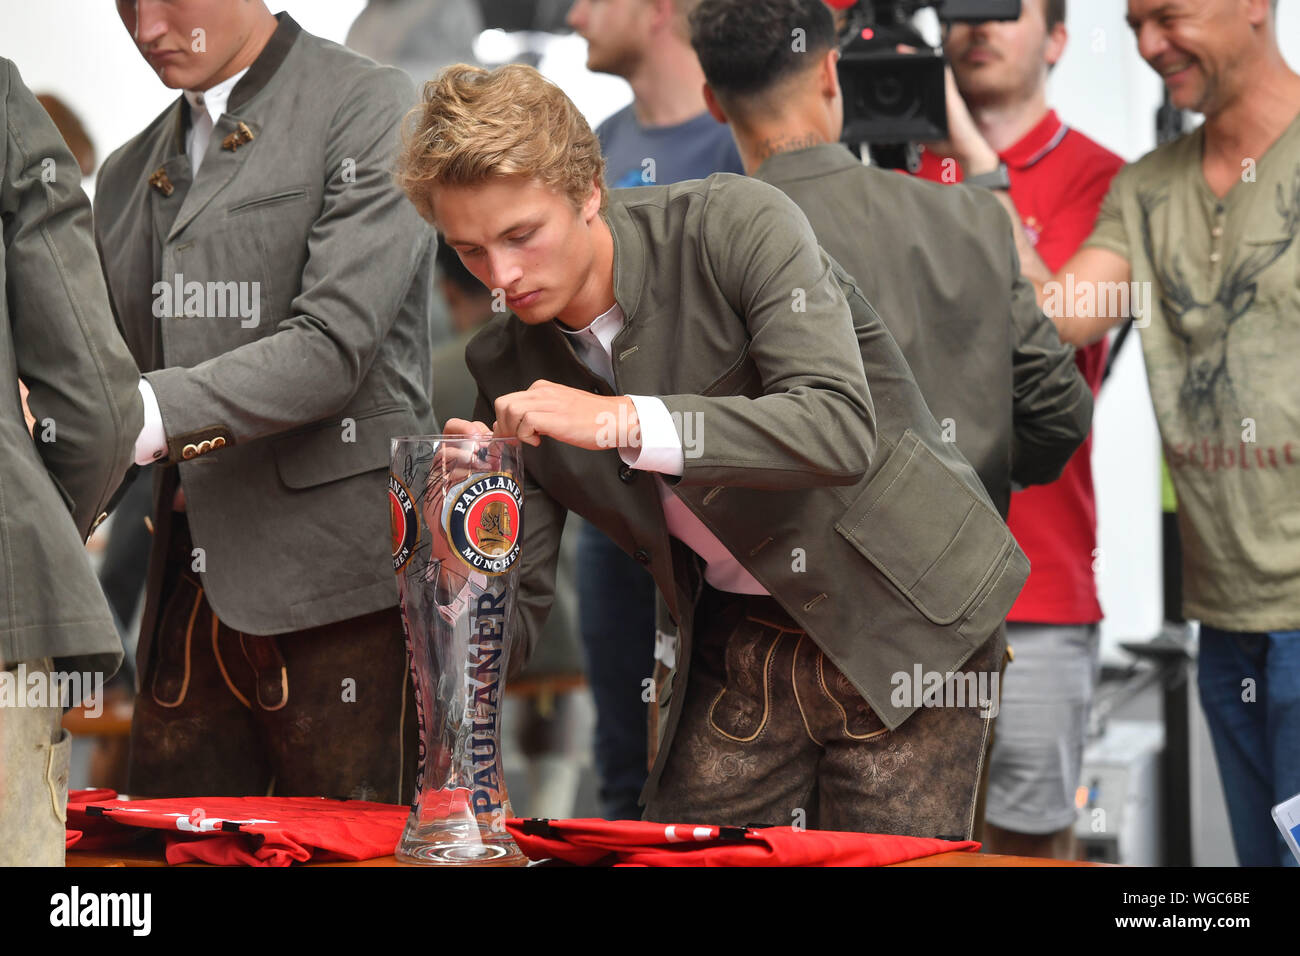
(939, 264)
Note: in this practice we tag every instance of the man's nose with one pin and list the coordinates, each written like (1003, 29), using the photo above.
(150, 21)
(1151, 42)
(503, 270)
(576, 17)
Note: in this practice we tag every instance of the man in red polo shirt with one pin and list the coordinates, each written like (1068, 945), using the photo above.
(1003, 133)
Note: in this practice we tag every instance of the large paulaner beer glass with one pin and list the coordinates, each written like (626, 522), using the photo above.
(456, 505)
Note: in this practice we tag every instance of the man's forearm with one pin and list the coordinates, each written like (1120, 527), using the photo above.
(1032, 266)
(978, 158)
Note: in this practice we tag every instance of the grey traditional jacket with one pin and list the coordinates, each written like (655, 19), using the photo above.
(939, 264)
(279, 303)
(820, 467)
(57, 335)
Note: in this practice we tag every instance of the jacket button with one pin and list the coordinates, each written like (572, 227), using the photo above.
(627, 474)
(642, 555)
(188, 452)
(205, 446)
(218, 442)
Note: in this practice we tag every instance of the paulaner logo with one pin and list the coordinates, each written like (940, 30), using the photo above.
(52, 689)
(483, 677)
(483, 524)
(102, 909)
(209, 300)
(953, 689)
(403, 520)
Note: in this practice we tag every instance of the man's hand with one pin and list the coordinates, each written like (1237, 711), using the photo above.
(458, 426)
(455, 462)
(569, 415)
(27, 412)
(965, 143)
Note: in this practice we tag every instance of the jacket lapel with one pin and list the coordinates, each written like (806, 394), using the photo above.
(171, 181)
(234, 135)
(225, 155)
(169, 186)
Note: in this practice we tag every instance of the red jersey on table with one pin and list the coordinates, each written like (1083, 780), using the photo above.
(1059, 178)
(235, 831)
(642, 843)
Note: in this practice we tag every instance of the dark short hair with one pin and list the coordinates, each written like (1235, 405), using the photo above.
(746, 47)
(1054, 14)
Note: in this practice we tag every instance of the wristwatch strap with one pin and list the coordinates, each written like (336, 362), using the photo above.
(1000, 178)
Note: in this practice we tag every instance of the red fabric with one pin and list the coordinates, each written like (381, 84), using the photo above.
(271, 831)
(93, 833)
(1059, 178)
(637, 843)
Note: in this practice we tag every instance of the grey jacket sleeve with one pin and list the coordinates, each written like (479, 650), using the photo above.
(82, 380)
(363, 252)
(1051, 400)
(814, 424)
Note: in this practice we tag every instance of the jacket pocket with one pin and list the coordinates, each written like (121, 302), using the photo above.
(272, 199)
(323, 452)
(741, 708)
(925, 531)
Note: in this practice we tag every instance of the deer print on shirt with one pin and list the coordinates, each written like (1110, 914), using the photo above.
(1208, 394)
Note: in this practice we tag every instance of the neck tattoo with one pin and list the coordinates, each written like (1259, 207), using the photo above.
(784, 144)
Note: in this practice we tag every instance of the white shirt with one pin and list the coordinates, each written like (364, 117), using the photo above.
(661, 451)
(205, 109)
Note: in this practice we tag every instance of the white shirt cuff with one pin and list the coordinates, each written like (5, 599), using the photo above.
(661, 447)
(151, 443)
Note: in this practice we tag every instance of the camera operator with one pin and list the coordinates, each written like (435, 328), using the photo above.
(967, 320)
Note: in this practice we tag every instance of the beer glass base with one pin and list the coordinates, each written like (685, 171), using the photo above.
(462, 854)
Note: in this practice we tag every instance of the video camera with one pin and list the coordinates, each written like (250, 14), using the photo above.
(894, 99)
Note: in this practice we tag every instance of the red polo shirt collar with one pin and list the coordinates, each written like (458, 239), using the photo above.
(1037, 143)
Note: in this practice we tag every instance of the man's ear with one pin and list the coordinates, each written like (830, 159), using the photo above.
(662, 14)
(715, 108)
(591, 205)
(1259, 13)
(830, 73)
(1056, 41)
